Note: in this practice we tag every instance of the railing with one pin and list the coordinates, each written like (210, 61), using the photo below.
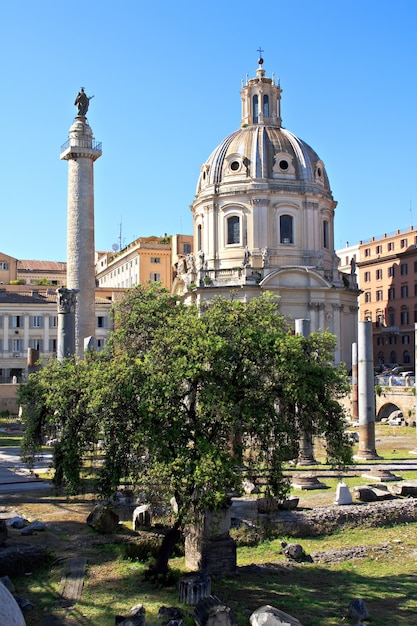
(395, 381)
(91, 144)
(393, 330)
(403, 231)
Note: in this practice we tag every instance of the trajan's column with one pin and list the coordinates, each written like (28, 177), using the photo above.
(81, 150)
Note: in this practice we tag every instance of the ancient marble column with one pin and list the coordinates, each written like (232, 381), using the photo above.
(81, 150)
(366, 393)
(306, 455)
(66, 303)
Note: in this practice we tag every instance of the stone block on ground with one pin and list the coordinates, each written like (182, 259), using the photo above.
(270, 616)
(10, 613)
(136, 618)
(212, 612)
(103, 519)
(20, 558)
(357, 610)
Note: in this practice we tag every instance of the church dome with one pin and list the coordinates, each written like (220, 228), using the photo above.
(265, 153)
(262, 151)
(263, 193)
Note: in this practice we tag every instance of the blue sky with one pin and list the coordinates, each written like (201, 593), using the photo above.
(166, 77)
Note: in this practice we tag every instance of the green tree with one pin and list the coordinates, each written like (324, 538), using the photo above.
(183, 398)
(56, 402)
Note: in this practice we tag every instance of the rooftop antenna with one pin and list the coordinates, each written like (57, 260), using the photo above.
(120, 235)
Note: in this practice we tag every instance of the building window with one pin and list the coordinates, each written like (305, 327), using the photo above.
(35, 344)
(37, 321)
(187, 246)
(100, 344)
(379, 341)
(379, 319)
(391, 317)
(367, 251)
(367, 296)
(403, 243)
(155, 277)
(286, 229)
(391, 271)
(406, 356)
(266, 106)
(390, 246)
(404, 317)
(155, 259)
(404, 269)
(391, 293)
(392, 342)
(393, 356)
(255, 106)
(53, 321)
(415, 315)
(406, 338)
(233, 230)
(16, 345)
(379, 249)
(17, 321)
(404, 291)
(325, 234)
(379, 295)
(367, 277)
(4, 265)
(100, 321)
(53, 345)
(379, 274)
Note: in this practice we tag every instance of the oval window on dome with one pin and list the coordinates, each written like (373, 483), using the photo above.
(319, 172)
(283, 165)
(235, 166)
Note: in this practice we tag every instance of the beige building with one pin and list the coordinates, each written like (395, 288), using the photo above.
(8, 269)
(30, 272)
(38, 272)
(264, 221)
(145, 259)
(29, 319)
(388, 277)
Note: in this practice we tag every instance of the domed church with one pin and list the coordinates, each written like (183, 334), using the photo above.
(264, 221)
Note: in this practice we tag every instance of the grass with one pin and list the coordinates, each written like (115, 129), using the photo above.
(318, 594)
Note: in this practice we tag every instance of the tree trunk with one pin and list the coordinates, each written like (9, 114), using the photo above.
(168, 544)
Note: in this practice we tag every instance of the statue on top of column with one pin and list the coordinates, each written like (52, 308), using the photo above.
(82, 101)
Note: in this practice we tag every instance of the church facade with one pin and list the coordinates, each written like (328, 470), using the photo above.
(263, 218)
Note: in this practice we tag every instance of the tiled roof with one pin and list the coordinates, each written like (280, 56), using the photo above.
(27, 297)
(41, 266)
(32, 297)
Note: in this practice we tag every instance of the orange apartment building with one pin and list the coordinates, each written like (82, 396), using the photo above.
(145, 259)
(387, 269)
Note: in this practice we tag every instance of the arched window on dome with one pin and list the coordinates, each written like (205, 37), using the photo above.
(199, 238)
(265, 108)
(286, 229)
(255, 108)
(233, 229)
(325, 234)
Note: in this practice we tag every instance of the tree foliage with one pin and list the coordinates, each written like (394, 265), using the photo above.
(183, 399)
